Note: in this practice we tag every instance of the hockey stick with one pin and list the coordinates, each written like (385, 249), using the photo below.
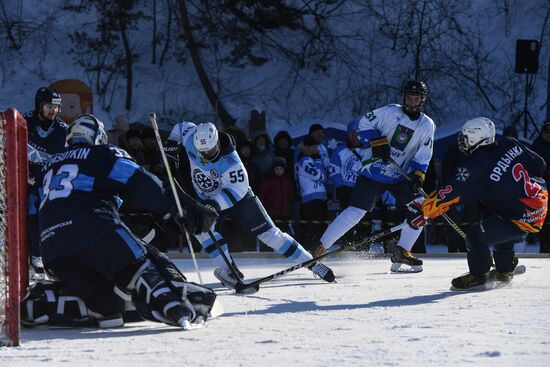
(153, 119)
(421, 191)
(281, 273)
(239, 285)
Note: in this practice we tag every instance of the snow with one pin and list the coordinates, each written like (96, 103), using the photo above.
(370, 317)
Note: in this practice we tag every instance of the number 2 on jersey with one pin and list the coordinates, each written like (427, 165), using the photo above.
(531, 188)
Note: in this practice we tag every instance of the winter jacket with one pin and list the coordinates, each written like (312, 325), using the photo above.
(276, 193)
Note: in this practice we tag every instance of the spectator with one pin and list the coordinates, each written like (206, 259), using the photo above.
(276, 192)
(135, 147)
(117, 135)
(151, 152)
(283, 148)
(311, 178)
(345, 164)
(541, 146)
(263, 156)
(246, 152)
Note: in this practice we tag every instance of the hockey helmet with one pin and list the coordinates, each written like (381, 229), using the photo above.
(206, 141)
(415, 88)
(46, 95)
(475, 133)
(86, 129)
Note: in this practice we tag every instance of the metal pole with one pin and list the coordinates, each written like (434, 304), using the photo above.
(525, 121)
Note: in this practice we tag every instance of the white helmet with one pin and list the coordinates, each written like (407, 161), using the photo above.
(475, 133)
(206, 141)
(86, 129)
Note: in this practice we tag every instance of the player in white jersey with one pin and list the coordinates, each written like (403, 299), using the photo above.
(405, 134)
(219, 179)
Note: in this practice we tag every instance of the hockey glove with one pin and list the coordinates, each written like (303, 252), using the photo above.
(417, 180)
(210, 213)
(434, 206)
(171, 149)
(415, 216)
(381, 149)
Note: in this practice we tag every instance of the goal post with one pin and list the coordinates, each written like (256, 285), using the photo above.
(14, 258)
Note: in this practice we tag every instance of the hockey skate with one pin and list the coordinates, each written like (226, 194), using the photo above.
(322, 271)
(401, 257)
(469, 281)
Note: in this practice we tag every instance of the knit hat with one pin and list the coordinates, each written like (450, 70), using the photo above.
(148, 132)
(279, 162)
(315, 127)
(133, 133)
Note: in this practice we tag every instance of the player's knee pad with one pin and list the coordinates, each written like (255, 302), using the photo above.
(51, 303)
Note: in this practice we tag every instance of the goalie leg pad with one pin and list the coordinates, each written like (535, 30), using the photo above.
(156, 301)
(51, 303)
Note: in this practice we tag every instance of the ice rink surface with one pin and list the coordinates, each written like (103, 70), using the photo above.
(369, 318)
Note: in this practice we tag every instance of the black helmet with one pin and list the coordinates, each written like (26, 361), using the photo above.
(416, 88)
(46, 95)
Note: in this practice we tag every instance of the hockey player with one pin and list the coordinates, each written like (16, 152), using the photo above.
(86, 246)
(210, 164)
(506, 177)
(406, 135)
(46, 134)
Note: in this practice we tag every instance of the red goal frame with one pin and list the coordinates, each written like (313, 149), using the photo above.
(13, 146)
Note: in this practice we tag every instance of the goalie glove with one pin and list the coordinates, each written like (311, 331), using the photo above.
(415, 216)
(381, 149)
(171, 149)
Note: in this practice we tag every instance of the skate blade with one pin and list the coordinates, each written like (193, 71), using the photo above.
(217, 310)
(197, 324)
(404, 268)
(247, 290)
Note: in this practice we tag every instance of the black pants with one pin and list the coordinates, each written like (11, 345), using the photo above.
(545, 237)
(310, 233)
(502, 234)
(92, 273)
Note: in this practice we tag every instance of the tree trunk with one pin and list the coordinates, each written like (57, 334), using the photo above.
(221, 112)
(127, 53)
(154, 40)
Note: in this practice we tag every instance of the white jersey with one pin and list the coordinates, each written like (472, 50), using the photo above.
(224, 180)
(411, 142)
(311, 178)
(345, 164)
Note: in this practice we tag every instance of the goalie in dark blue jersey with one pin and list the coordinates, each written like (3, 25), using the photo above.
(94, 258)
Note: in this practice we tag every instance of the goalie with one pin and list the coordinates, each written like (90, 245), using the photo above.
(92, 255)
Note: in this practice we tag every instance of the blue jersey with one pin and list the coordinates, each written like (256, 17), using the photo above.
(77, 193)
(505, 178)
(345, 164)
(224, 179)
(49, 141)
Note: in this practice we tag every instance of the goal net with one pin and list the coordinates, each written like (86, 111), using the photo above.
(13, 218)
